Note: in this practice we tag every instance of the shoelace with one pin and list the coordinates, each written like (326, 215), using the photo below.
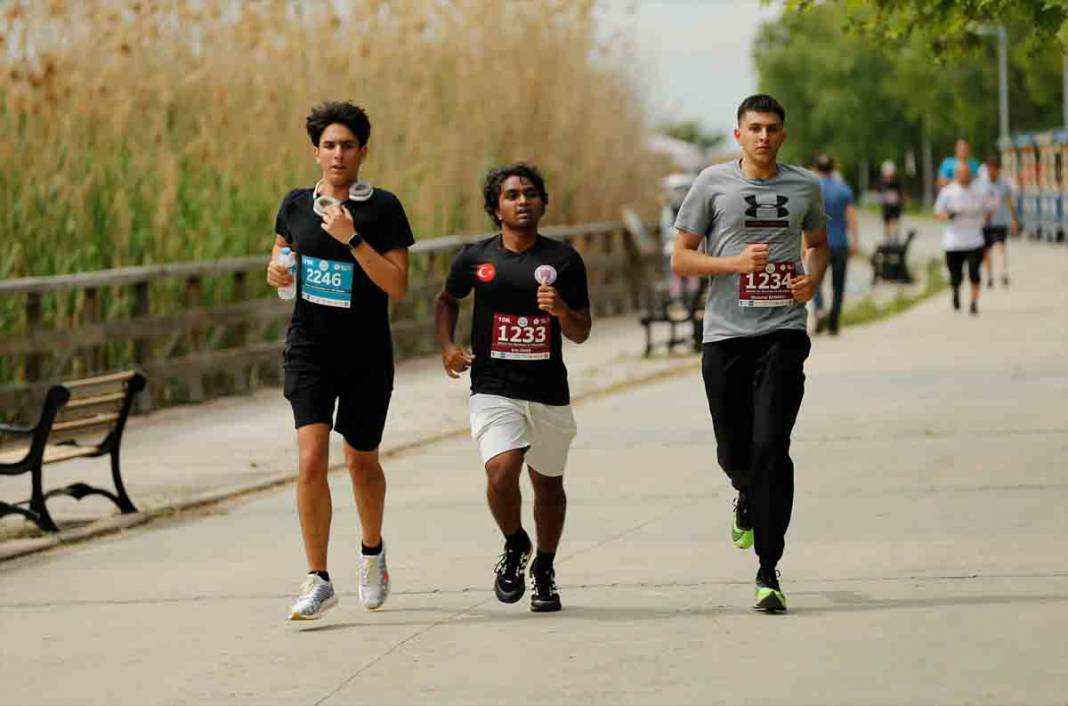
(509, 562)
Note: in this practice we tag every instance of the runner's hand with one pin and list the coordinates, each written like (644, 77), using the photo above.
(339, 224)
(753, 258)
(550, 300)
(456, 360)
(278, 275)
(803, 287)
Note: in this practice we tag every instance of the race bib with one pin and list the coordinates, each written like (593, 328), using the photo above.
(520, 337)
(770, 287)
(326, 282)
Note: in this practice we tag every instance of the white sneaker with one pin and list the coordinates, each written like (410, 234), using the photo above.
(374, 579)
(316, 597)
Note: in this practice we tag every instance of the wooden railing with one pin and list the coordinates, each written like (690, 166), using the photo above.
(204, 329)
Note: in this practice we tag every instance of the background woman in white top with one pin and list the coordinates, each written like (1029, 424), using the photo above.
(964, 208)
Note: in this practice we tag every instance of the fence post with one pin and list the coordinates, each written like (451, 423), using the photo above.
(32, 361)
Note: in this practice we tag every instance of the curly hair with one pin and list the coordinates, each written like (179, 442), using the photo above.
(351, 116)
(491, 189)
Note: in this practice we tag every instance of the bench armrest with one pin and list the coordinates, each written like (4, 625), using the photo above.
(12, 429)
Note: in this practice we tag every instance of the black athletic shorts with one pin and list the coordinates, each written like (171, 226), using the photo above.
(994, 234)
(891, 213)
(315, 380)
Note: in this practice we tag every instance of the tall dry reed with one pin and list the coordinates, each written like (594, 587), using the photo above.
(135, 131)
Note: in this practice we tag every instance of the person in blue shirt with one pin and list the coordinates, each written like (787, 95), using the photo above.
(962, 152)
(842, 239)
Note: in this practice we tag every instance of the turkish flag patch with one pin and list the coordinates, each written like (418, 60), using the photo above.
(486, 272)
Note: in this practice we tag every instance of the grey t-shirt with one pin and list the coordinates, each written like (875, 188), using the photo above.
(731, 211)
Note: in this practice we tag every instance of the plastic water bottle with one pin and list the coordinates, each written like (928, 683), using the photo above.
(288, 259)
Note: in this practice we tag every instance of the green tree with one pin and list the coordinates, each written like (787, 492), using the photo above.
(949, 25)
(865, 97)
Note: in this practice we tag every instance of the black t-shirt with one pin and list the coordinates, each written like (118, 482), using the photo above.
(890, 191)
(517, 346)
(337, 305)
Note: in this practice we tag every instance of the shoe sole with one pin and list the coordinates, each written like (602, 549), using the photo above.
(511, 597)
(508, 597)
(547, 607)
(329, 603)
(771, 603)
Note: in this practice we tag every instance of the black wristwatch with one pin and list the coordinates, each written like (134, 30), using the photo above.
(354, 241)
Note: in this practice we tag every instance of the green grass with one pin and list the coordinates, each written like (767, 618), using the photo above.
(868, 310)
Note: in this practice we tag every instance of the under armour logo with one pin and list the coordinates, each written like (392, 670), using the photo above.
(766, 206)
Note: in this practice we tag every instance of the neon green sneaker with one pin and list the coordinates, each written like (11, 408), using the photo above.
(741, 523)
(769, 596)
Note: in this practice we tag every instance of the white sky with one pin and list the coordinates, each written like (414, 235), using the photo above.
(696, 54)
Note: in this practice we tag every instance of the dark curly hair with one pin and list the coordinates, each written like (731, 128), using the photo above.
(351, 116)
(491, 189)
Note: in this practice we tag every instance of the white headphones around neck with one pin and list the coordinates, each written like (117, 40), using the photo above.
(359, 191)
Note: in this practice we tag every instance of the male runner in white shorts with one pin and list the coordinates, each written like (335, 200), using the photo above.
(529, 291)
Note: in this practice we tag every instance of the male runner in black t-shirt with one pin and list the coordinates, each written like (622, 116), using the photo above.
(528, 291)
(352, 245)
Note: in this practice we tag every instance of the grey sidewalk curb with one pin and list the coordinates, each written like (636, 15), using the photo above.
(119, 523)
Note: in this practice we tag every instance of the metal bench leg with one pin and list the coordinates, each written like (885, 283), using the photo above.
(122, 499)
(38, 509)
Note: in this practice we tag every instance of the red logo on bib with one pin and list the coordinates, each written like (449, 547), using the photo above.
(486, 272)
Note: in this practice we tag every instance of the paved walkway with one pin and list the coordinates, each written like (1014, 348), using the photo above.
(187, 456)
(926, 562)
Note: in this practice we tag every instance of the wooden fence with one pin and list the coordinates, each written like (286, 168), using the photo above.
(204, 329)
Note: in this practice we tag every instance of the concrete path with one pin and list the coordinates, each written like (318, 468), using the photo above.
(187, 456)
(926, 562)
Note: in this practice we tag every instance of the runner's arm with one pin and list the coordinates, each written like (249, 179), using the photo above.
(576, 324)
(389, 271)
(687, 262)
(816, 255)
(446, 314)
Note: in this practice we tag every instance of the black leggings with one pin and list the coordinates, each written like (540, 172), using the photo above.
(754, 387)
(955, 260)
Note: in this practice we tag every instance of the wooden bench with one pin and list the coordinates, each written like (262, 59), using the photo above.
(79, 419)
(687, 313)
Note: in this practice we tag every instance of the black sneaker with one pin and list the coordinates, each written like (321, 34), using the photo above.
(509, 583)
(956, 300)
(974, 309)
(543, 595)
(1005, 281)
(769, 596)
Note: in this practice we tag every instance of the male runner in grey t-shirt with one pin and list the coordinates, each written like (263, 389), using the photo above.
(762, 224)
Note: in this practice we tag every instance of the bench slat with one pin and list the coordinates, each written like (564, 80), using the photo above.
(100, 379)
(53, 452)
(82, 402)
(97, 420)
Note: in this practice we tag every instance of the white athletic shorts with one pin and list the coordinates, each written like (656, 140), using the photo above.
(501, 424)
